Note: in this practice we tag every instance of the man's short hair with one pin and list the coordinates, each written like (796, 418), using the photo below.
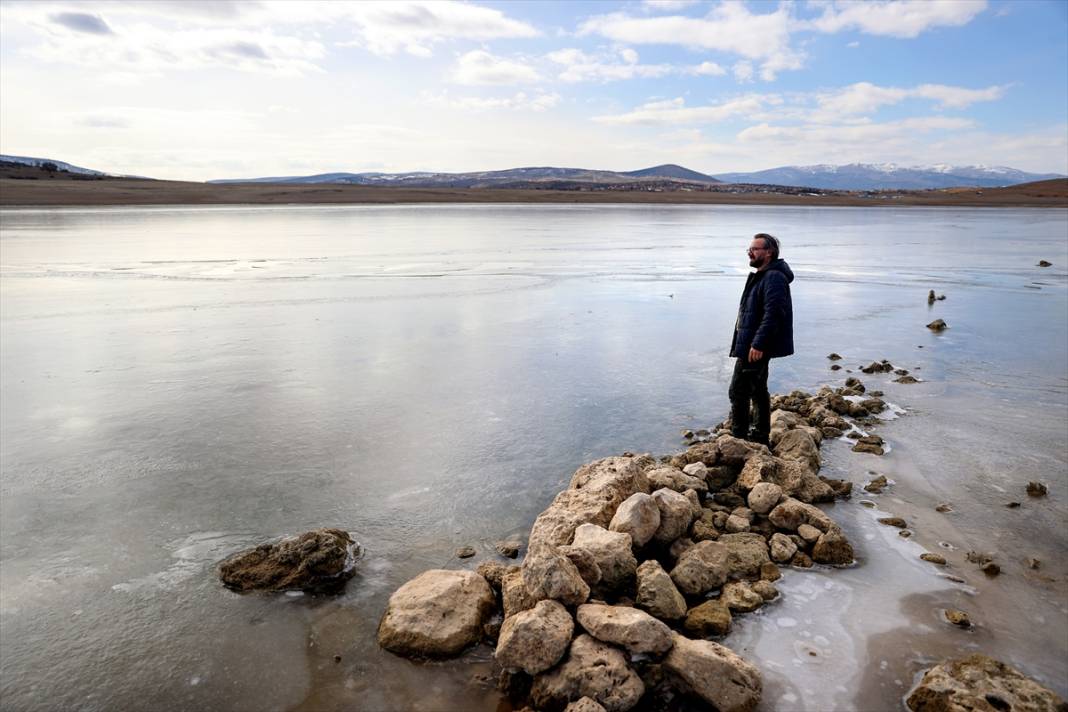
(770, 242)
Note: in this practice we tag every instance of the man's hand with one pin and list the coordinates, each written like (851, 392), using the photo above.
(755, 355)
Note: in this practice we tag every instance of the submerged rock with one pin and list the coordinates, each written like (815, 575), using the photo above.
(1044, 263)
(509, 548)
(978, 683)
(958, 618)
(436, 614)
(317, 561)
(1036, 489)
(893, 522)
(937, 325)
(465, 552)
(933, 558)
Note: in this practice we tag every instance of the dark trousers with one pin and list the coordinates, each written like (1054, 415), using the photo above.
(750, 385)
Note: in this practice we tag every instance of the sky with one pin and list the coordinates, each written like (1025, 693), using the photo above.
(197, 90)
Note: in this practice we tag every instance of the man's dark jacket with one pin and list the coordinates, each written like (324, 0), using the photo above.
(766, 313)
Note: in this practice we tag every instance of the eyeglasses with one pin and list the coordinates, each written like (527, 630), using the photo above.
(751, 250)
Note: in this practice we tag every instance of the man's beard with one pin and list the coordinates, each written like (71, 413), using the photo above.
(754, 262)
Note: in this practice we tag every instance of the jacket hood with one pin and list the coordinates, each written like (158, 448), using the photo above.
(780, 265)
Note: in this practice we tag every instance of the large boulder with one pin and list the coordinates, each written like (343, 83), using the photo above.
(715, 674)
(592, 669)
(535, 640)
(547, 573)
(611, 551)
(675, 479)
(595, 493)
(318, 561)
(701, 568)
(764, 496)
(627, 627)
(790, 513)
(798, 481)
(981, 684)
(638, 516)
(436, 614)
(798, 445)
(676, 515)
(735, 451)
(657, 593)
(746, 553)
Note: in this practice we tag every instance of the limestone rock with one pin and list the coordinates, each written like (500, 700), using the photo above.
(494, 572)
(585, 704)
(465, 552)
(933, 558)
(585, 562)
(809, 533)
(436, 614)
(782, 548)
(980, 684)
(790, 513)
(712, 617)
(509, 548)
(770, 572)
(515, 596)
(696, 469)
(746, 553)
(715, 674)
(799, 446)
(737, 523)
(610, 550)
(735, 451)
(758, 468)
(317, 561)
(739, 597)
(937, 325)
(1036, 489)
(833, 548)
(657, 593)
(675, 479)
(893, 522)
(592, 669)
(701, 568)
(765, 589)
(535, 640)
(630, 628)
(676, 514)
(551, 574)
(764, 496)
(958, 618)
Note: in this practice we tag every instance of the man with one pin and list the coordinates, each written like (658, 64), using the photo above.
(764, 330)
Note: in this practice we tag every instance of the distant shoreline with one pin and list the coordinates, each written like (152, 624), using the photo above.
(65, 192)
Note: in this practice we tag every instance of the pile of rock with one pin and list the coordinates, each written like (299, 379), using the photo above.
(636, 563)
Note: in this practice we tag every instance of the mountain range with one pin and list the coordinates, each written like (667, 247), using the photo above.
(854, 176)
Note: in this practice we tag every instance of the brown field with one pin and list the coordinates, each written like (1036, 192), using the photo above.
(32, 188)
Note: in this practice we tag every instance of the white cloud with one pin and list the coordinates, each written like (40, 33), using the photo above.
(675, 112)
(865, 98)
(743, 71)
(707, 69)
(895, 18)
(853, 45)
(581, 67)
(481, 67)
(849, 134)
(521, 101)
(729, 27)
(668, 5)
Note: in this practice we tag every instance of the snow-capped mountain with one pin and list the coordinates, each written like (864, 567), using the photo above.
(61, 165)
(875, 176)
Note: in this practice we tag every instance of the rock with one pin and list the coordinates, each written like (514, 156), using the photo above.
(675, 479)
(712, 617)
(638, 516)
(833, 548)
(873, 405)
(931, 297)
(937, 325)
(809, 533)
(764, 496)
(676, 514)
(835, 367)
(739, 597)
(551, 574)
(904, 533)
(632, 629)
(1033, 563)
(799, 482)
(980, 684)
(933, 558)
(1013, 505)
(876, 485)
(958, 618)
(436, 614)
(696, 469)
(535, 640)
(869, 443)
(782, 548)
(883, 366)
(679, 547)
(765, 589)
(729, 500)
(798, 445)
(494, 572)
(893, 522)
(319, 561)
(701, 568)
(801, 560)
(687, 434)
(990, 569)
(737, 523)
(906, 380)
(790, 513)
(735, 451)
(657, 593)
(834, 357)
(758, 468)
(585, 562)
(695, 502)
(509, 549)
(1044, 263)
(611, 551)
(515, 596)
(465, 552)
(1036, 489)
(943, 508)
(592, 669)
(585, 704)
(842, 489)
(746, 553)
(715, 674)
(720, 476)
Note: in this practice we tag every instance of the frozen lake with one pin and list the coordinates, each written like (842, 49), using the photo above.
(179, 383)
